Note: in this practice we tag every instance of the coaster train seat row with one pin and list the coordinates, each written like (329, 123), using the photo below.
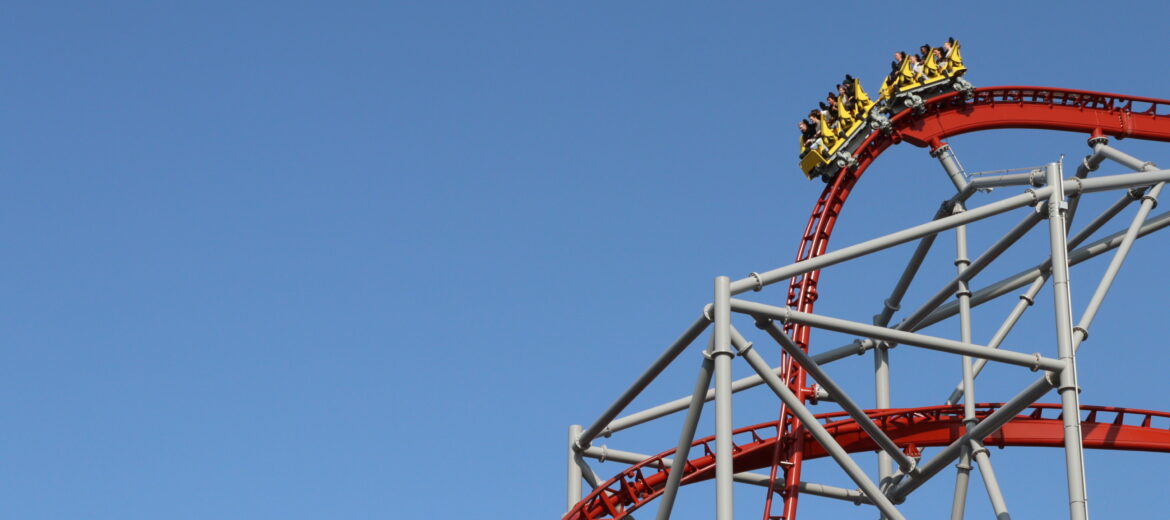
(833, 132)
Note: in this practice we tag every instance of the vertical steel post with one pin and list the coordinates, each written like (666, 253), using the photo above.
(950, 163)
(1069, 400)
(1029, 295)
(963, 476)
(687, 437)
(881, 384)
(574, 470)
(723, 446)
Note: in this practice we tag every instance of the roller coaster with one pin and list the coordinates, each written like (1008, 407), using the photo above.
(832, 135)
(961, 428)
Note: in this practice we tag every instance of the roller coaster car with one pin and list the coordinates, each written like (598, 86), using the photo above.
(826, 163)
(913, 98)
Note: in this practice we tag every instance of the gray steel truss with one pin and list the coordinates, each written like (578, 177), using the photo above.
(1046, 195)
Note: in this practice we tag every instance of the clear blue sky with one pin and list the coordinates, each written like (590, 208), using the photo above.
(369, 260)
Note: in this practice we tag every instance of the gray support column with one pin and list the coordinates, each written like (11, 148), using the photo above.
(1070, 401)
(963, 475)
(1026, 300)
(962, 479)
(838, 393)
(881, 354)
(573, 494)
(998, 505)
(818, 432)
(656, 368)
(950, 163)
(722, 354)
(1029, 296)
(881, 391)
(685, 439)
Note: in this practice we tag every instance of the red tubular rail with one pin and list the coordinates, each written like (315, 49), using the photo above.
(1104, 427)
(989, 108)
(784, 444)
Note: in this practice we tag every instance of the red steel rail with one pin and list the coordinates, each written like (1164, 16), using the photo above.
(784, 443)
(1103, 427)
(990, 108)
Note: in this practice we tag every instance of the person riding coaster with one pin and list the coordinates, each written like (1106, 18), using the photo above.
(833, 129)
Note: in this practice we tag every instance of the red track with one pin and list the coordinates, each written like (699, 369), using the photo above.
(1093, 113)
(1104, 428)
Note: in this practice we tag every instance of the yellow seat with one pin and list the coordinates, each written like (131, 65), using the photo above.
(906, 78)
(828, 134)
(932, 69)
(887, 90)
(953, 62)
(845, 120)
(810, 161)
(861, 100)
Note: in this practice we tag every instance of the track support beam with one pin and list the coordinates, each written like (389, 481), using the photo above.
(1069, 398)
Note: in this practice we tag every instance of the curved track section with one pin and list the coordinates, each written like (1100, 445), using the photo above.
(1104, 428)
(989, 108)
(784, 443)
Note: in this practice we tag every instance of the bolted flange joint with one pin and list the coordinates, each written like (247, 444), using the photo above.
(979, 448)
(1052, 378)
(1035, 361)
(1084, 332)
(713, 355)
(759, 281)
(1153, 201)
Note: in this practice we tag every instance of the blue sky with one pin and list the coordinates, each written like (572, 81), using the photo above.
(369, 260)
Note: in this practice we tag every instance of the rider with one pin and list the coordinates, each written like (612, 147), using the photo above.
(952, 60)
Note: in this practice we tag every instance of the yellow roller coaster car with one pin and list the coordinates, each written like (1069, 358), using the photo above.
(910, 81)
